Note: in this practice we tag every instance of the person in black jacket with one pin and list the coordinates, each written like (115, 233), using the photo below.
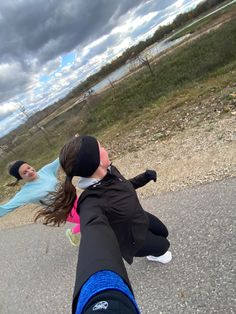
(108, 201)
(138, 232)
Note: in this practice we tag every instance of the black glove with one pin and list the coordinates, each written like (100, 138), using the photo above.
(151, 175)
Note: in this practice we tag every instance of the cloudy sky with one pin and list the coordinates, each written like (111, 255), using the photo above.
(48, 47)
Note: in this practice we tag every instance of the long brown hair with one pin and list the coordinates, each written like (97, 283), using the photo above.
(58, 204)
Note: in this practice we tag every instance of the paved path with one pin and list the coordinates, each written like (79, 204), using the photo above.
(37, 264)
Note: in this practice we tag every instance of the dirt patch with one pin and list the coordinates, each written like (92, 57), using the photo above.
(193, 156)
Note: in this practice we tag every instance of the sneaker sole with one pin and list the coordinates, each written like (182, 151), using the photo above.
(71, 242)
(155, 259)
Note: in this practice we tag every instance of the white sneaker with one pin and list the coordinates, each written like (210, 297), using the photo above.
(164, 259)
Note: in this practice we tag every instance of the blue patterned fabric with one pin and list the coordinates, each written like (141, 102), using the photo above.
(100, 281)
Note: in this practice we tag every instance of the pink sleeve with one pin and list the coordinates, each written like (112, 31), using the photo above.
(73, 216)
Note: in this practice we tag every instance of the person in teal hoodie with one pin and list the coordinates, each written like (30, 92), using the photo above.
(35, 190)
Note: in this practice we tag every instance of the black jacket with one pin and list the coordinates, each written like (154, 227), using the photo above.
(118, 199)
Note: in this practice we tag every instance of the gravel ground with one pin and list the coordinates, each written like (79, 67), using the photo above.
(196, 155)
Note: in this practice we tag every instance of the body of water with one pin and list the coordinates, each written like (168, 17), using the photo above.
(150, 52)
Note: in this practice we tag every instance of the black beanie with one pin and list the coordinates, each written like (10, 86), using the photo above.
(88, 158)
(14, 169)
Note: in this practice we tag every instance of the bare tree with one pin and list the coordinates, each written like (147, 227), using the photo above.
(141, 59)
(111, 83)
(40, 128)
(144, 60)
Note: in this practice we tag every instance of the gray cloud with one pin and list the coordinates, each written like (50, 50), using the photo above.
(149, 6)
(35, 32)
(46, 29)
(13, 80)
(3, 115)
(110, 41)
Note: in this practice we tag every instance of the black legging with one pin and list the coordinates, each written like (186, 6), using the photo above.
(155, 243)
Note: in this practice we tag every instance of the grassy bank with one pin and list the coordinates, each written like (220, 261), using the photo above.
(184, 68)
(178, 78)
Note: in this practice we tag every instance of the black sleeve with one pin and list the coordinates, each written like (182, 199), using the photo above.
(99, 249)
(140, 180)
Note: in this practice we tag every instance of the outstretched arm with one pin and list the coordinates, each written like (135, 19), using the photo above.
(18, 200)
(143, 178)
(100, 266)
(29, 193)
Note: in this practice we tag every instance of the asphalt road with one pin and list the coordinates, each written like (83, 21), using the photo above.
(37, 263)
